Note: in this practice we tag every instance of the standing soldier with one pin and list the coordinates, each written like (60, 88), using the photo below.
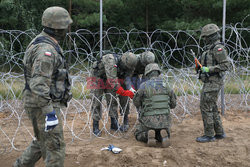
(214, 63)
(143, 59)
(112, 75)
(155, 99)
(47, 88)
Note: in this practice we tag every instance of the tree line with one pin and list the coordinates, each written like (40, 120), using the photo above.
(146, 15)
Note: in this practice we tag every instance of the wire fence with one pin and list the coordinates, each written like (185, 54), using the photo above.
(172, 50)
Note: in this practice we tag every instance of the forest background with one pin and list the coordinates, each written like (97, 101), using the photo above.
(143, 15)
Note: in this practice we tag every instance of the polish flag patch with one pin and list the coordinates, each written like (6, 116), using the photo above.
(47, 53)
(115, 65)
(219, 49)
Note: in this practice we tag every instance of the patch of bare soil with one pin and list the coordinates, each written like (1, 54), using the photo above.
(233, 151)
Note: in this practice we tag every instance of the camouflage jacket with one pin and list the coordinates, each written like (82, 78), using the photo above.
(46, 75)
(111, 70)
(155, 87)
(216, 59)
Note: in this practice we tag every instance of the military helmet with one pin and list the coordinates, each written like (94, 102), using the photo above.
(56, 18)
(209, 29)
(147, 58)
(152, 67)
(129, 59)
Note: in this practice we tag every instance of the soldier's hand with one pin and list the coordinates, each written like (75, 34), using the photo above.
(50, 121)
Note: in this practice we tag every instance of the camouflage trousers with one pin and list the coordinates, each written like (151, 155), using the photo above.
(111, 100)
(48, 145)
(112, 103)
(209, 110)
(141, 133)
(124, 105)
(156, 123)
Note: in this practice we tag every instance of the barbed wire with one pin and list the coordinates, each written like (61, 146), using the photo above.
(172, 50)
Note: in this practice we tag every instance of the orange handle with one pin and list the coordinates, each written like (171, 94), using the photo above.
(197, 63)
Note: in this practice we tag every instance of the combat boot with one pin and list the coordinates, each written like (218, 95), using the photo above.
(220, 136)
(17, 163)
(151, 138)
(114, 124)
(204, 139)
(125, 125)
(165, 140)
(96, 129)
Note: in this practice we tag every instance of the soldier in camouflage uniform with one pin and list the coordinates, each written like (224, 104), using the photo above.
(143, 59)
(47, 89)
(111, 75)
(155, 99)
(215, 62)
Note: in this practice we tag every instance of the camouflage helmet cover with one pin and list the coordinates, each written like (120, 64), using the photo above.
(209, 29)
(147, 58)
(56, 18)
(152, 67)
(129, 59)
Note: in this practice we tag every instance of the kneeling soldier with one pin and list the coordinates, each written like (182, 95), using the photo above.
(154, 100)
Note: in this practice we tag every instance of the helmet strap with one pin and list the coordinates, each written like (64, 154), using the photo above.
(213, 38)
(153, 73)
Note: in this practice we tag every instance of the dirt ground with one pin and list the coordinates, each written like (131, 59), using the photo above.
(234, 151)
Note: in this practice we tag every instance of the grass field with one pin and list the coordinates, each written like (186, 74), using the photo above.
(12, 89)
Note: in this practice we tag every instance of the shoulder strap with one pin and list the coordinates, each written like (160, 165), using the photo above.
(44, 39)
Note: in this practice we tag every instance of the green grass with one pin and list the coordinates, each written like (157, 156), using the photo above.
(79, 91)
(11, 91)
(15, 91)
(234, 87)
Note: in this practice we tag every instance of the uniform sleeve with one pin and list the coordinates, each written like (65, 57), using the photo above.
(137, 100)
(128, 81)
(172, 99)
(110, 67)
(41, 74)
(221, 58)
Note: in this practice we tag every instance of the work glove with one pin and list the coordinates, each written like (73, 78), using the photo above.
(123, 92)
(205, 69)
(50, 121)
(112, 148)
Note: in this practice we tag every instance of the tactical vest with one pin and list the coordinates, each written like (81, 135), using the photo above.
(156, 103)
(60, 92)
